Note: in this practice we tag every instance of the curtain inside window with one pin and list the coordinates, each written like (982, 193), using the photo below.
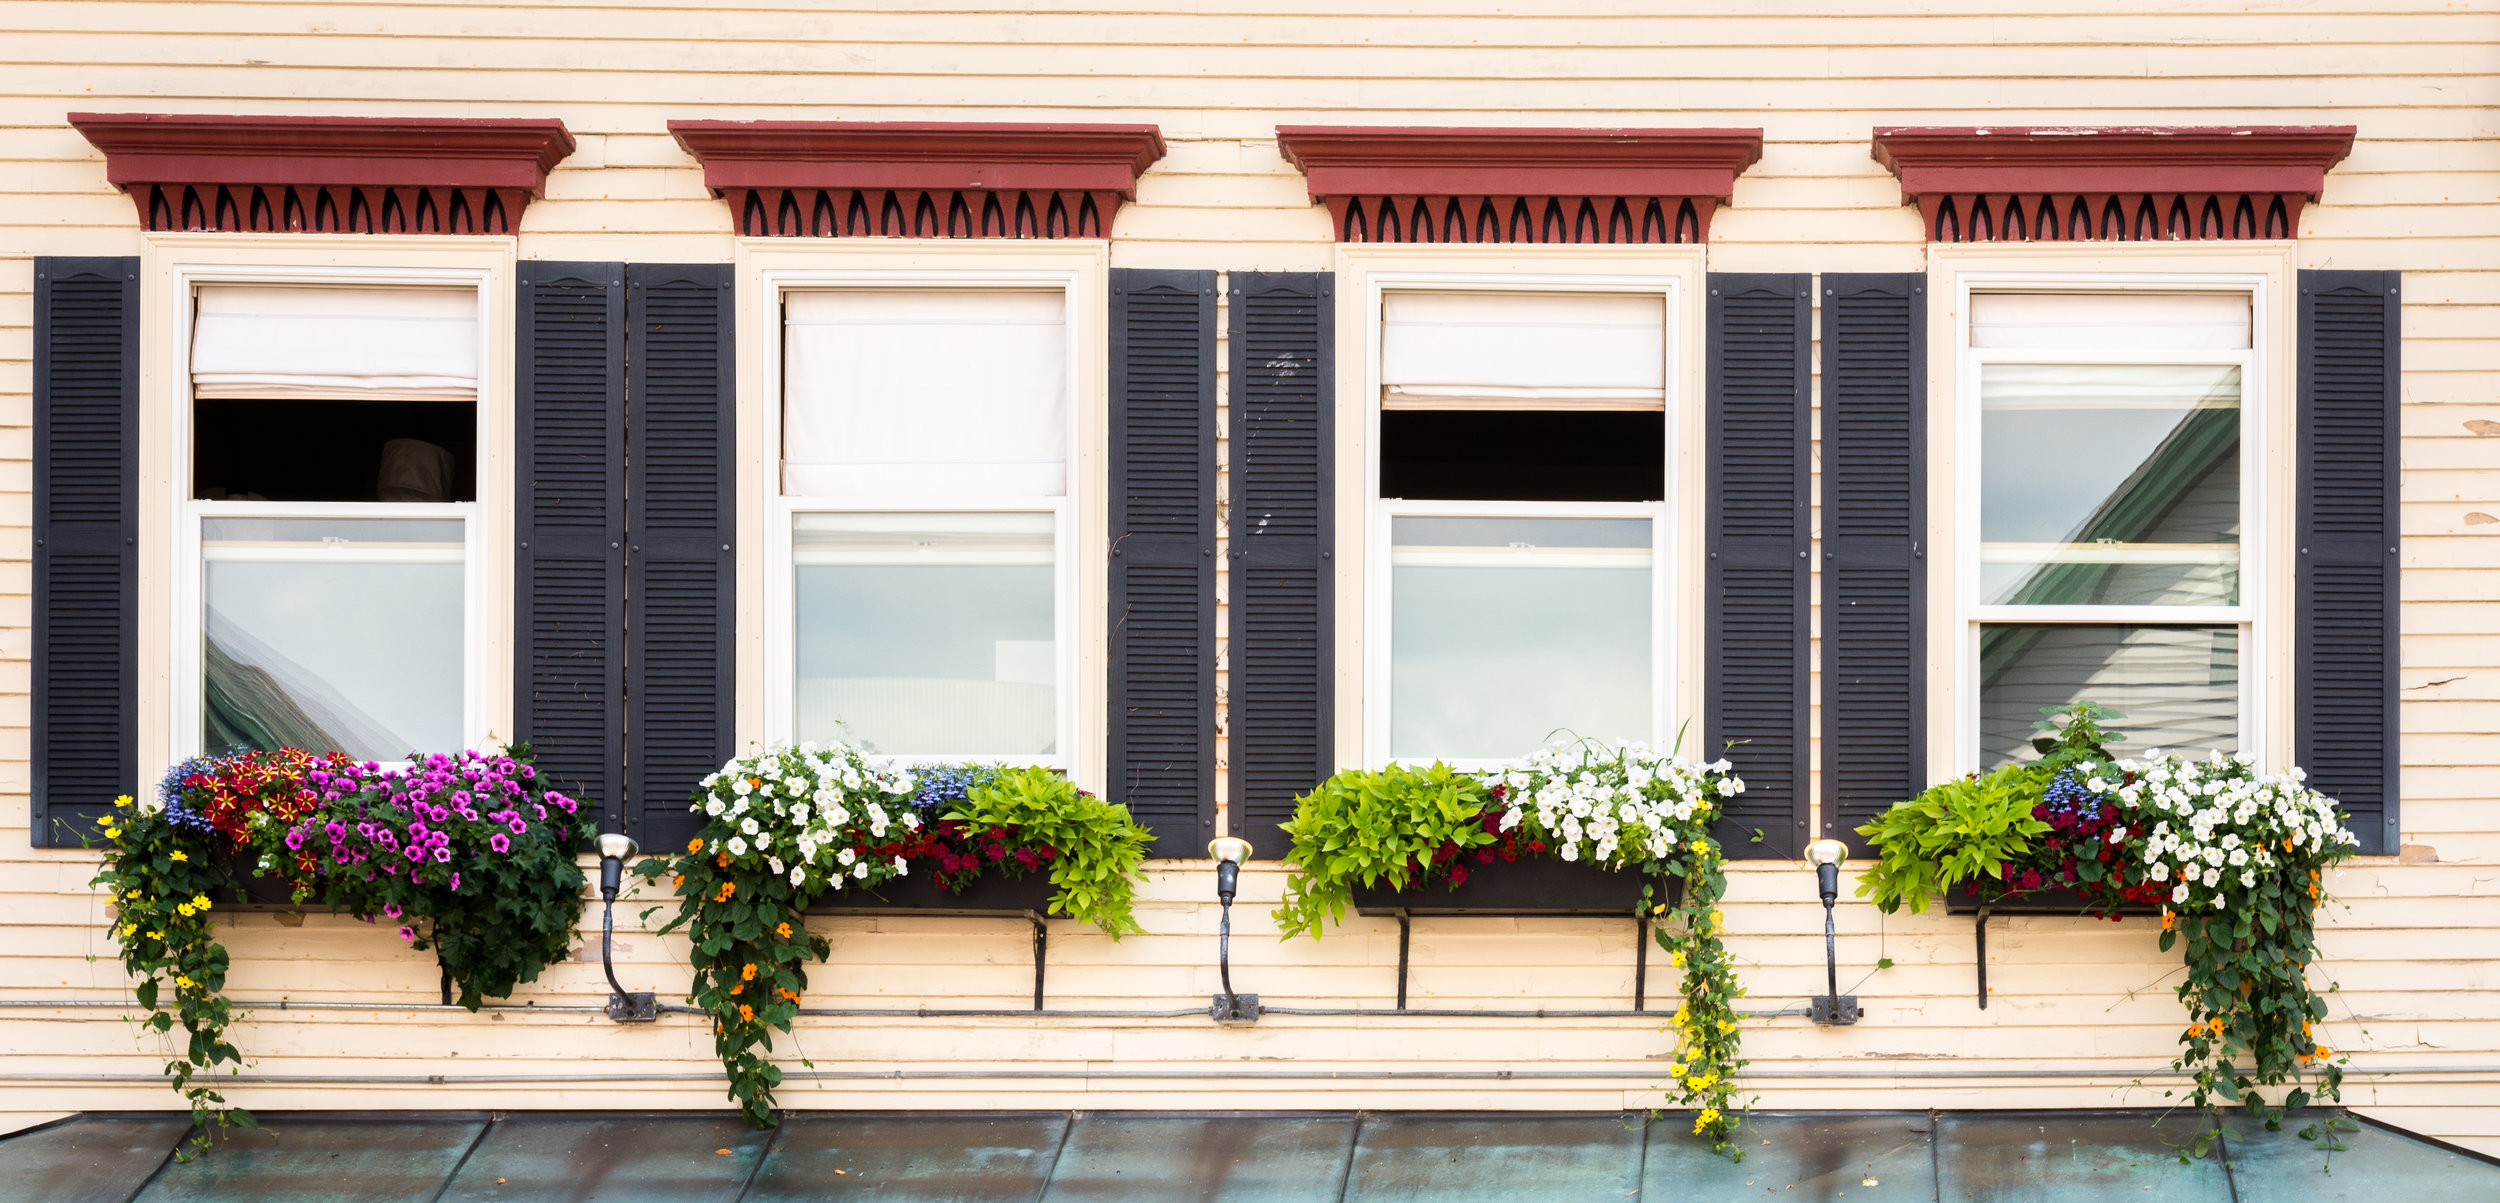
(940, 393)
(1523, 350)
(2110, 321)
(282, 342)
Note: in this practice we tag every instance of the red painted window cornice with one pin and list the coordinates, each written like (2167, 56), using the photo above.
(921, 179)
(391, 175)
(2024, 184)
(1407, 184)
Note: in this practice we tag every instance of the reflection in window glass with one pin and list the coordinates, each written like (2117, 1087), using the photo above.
(927, 634)
(333, 634)
(1507, 631)
(2109, 484)
(2178, 686)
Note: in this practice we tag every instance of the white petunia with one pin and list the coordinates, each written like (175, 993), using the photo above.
(737, 845)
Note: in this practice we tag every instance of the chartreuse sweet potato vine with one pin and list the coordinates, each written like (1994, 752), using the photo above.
(468, 854)
(1620, 806)
(2237, 861)
(788, 826)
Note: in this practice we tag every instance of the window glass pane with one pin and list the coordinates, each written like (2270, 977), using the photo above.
(2109, 484)
(333, 634)
(2178, 686)
(927, 634)
(1506, 631)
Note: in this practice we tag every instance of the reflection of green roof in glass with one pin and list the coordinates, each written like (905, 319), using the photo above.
(1056, 1155)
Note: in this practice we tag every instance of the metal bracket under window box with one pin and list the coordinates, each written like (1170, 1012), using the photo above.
(1525, 889)
(2026, 902)
(991, 896)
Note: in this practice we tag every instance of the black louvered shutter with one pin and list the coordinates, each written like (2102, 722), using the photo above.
(83, 745)
(2345, 659)
(1282, 335)
(569, 523)
(1162, 589)
(680, 513)
(1756, 540)
(1874, 547)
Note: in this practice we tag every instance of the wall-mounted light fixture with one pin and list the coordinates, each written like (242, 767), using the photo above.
(615, 848)
(1229, 852)
(1835, 1007)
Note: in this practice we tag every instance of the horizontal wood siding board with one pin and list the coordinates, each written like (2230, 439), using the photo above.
(681, 512)
(569, 524)
(1162, 589)
(1874, 510)
(1756, 536)
(83, 742)
(2345, 594)
(1282, 349)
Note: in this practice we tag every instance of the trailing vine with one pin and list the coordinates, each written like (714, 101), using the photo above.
(469, 851)
(2236, 860)
(1621, 807)
(788, 826)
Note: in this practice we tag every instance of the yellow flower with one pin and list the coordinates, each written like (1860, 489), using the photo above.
(1676, 1070)
(180, 855)
(112, 833)
(124, 800)
(1702, 1122)
(1704, 1082)
(183, 982)
(1726, 1026)
(184, 910)
(156, 935)
(130, 929)
(200, 901)
(1676, 958)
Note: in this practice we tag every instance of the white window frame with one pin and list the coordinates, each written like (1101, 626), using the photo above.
(781, 511)
(2252, 614)
(1665, 515)
(189, 595)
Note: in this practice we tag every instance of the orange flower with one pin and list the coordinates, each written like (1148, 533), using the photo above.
(727, 888)
(738, 989)
(749, 974)
(2324, 1052)
(695, 844)
(681, 881)
(784, 929)
(746, 1014)
(2168, 920)
(722, 860)
(792, 995)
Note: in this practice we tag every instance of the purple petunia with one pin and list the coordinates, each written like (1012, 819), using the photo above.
(406, 932)
(499, 842)
(391, 910)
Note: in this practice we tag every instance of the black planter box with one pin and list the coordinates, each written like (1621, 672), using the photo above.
(1540, 886)
(2054, 901)
(993, 894)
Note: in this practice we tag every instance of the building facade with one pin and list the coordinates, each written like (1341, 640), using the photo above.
(1218, 326)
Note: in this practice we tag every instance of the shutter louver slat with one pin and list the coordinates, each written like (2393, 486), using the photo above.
(1162, 587)
(1874, 532)
(1754, 642)
(2345, 597)
(82, 745)
(569, 587)
(680, 514)
(1282, 336)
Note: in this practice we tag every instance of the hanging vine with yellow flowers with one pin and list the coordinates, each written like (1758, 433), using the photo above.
(1616, 806)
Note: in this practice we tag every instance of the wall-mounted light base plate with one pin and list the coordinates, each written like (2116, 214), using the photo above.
(642, 1006)
(1234, 1008)
(1833, 1012)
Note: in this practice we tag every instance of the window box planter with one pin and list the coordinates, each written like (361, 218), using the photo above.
(992, 895)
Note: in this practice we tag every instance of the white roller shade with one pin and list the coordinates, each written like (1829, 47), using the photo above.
(1523, 350)
(937, 393)
(271, 342)
(2110, 321)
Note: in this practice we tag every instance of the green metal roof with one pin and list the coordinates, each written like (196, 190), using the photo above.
(1064, 1157)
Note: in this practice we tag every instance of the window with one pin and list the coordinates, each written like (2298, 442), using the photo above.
(923, 516)
(2114, 498)
(1521, 501)
(331, 524)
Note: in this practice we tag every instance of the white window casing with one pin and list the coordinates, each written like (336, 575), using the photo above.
(313, 342)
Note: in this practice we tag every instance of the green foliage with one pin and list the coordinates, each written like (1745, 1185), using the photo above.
(1952, 833)
(2073, 734)
(788, 826)
(1097, 846)
(1371, 827)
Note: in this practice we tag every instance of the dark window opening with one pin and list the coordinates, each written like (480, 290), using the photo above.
(334, 451)
(1523, 455)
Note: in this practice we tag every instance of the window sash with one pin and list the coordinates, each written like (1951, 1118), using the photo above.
(191, 598)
